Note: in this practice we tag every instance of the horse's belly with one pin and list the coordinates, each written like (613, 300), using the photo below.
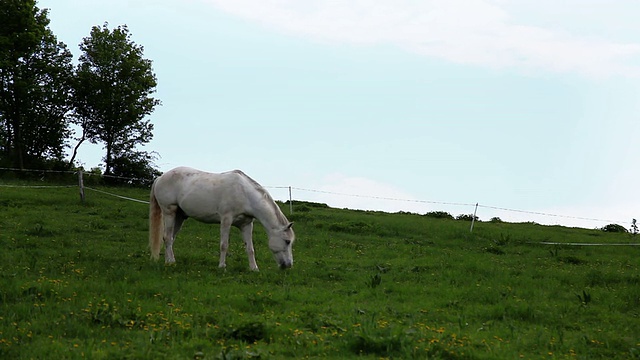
(200, 211)
(210, 212)
(236, 219)
(206, 218)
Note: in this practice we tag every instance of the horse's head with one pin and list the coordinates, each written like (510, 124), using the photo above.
(280, 242)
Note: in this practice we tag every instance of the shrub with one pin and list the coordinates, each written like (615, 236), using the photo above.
(467, 217)
(614, 228)
(310, 204)
(439, 215)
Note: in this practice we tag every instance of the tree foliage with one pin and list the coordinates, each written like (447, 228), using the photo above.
(42, 95)
(35, 87)
(136, 167)
(113, 87)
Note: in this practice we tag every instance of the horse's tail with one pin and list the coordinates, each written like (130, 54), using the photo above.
(155, 225)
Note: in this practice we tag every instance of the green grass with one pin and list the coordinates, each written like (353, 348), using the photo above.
(76, 281)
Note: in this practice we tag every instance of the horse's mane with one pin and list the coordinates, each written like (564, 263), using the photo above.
(265, 194)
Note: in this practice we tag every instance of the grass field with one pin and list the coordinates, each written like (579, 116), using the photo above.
(76, 282)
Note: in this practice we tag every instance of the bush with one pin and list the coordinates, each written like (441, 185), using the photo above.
(467, 217)
(439, 215)
(135, 168)
(614, 228)
(297, 203)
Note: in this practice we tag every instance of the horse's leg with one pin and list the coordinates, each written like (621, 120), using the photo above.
(170, 214)
(225, 229)
(247, 235)
(177, 225)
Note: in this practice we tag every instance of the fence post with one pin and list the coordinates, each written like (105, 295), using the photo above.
(290, 202)
(473, 219)
(81, 185)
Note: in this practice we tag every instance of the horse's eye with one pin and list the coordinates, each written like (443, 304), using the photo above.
(288, 242)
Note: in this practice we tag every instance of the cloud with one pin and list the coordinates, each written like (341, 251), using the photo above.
(478, 32)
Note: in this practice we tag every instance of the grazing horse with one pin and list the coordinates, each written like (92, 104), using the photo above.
(230, 198)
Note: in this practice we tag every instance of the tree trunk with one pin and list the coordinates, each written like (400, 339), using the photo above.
(107, 159)
(75, 149)
(18, 147)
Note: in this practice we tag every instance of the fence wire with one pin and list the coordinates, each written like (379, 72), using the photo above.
(313, 191)
(115, 195)
(462, 204)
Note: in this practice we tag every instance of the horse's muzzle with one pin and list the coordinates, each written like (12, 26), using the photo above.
(286, 265)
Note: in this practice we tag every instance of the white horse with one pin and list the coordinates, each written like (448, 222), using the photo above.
(230, 198)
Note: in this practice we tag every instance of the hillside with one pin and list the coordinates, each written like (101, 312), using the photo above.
(77, 282)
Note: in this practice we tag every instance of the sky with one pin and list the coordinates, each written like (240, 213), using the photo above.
(530, 109)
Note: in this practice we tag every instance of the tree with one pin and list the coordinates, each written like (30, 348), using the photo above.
(113, 87)
(35, 87)
(136, 167)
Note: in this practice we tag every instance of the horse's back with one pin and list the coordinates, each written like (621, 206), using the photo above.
(169, 185)
(203, 195)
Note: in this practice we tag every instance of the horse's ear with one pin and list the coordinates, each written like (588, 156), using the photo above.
(289, 226)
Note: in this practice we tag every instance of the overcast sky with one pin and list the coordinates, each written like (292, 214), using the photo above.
(519, 105)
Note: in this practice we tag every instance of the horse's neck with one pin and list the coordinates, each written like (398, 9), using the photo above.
(267, 211)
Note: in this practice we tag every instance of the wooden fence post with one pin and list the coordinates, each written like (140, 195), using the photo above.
(290, 202)
(81, 185)
(473, 220)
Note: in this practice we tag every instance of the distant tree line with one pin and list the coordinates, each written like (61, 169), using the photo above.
(49, 106)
